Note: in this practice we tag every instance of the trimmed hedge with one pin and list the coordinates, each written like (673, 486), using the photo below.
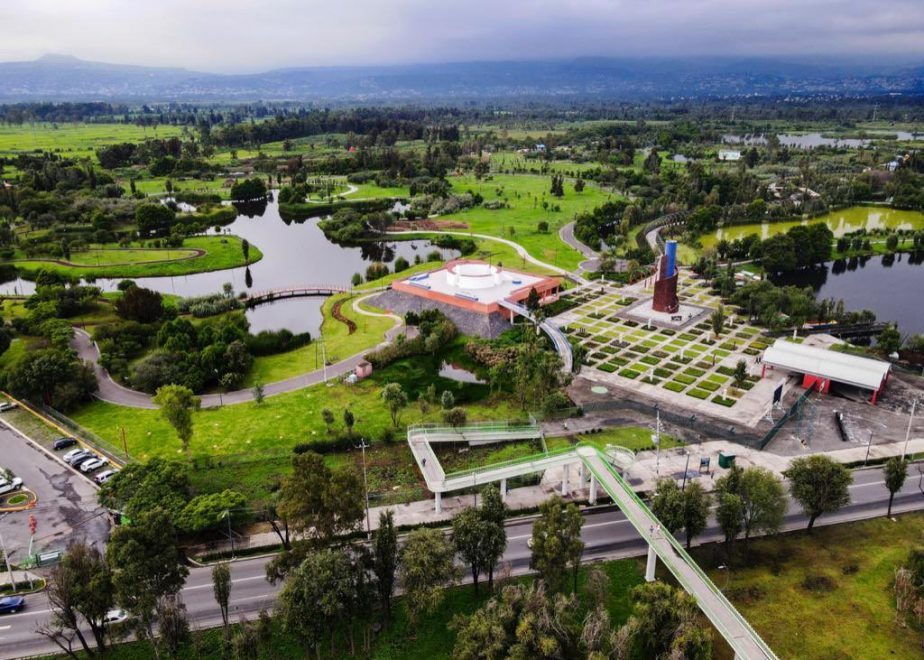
(698, 394)
(674, 386)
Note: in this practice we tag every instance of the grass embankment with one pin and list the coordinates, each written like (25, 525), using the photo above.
(525, 195)
(826, 594)
(431, 640)
(220, 252)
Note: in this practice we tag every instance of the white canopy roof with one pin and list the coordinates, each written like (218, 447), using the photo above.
(839, 367)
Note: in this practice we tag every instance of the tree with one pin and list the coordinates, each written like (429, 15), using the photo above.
(154, 219)
(763, 499)
(717, 318)
(221, 588)
(579, 186)
(54, 376)
(896, 471)
(494, 512)
(523, 621)
(395, 399)
(139, 487)
(729, 514)
(668, 505)
(319, 503)
(209, 511)
(173, 625)
(427, 566)
(820, 484)
(665, 624)
(258, 394)
(470, 535)
(696, 503)
(385, 561)
(147, 566)
(248, 190)
(557, 543)
(314, 601)
(889, 340)
(741, 373)
(80, 589)
(455, 416)
(348, 420)
(176, 404)
(245, 248)
(532, 300)
(447, 400)
(328, 418)
(778, 254)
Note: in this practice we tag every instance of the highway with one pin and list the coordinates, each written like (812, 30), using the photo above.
(607, 534)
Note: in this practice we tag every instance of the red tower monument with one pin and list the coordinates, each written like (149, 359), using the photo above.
(665, 288)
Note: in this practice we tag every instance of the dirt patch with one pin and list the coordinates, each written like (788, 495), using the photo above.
(819, 583)
(428, 224)
(337, 314)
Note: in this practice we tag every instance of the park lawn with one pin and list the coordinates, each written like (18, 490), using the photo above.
(853, 617)
(76, 139)
(636, 438)
(221, 252)
(158, 185)
(505, 161)
(11, 355)
(339, 344)
(273, 368)
(110, 256)
(525, 195)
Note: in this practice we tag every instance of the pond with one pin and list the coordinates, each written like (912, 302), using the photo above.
(803, 141)
(459, 374)
(889, 285)
(294, 254)
(841, 222)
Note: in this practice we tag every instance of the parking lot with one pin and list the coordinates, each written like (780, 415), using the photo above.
(66, 509)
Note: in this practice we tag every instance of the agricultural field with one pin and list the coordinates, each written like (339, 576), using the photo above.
(76, 139)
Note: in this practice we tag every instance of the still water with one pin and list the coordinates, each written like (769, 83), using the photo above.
(294, 254)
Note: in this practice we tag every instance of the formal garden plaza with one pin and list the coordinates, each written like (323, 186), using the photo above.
(673, 359)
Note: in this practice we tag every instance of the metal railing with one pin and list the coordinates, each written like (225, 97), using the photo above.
(794, 411)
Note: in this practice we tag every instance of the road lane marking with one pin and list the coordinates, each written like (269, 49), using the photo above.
(237, 581)
(5, 627)
(590, 526)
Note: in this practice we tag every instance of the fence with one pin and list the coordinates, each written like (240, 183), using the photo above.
(113, 453)
(795, 410)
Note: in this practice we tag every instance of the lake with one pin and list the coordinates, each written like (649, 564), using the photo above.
(294, 254)
(840, 222)
(803, 141)
(889, 285)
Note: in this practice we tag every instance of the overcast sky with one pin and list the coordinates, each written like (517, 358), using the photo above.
(254, 35)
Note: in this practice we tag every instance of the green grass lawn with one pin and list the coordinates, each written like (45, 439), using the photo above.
(158, 185)
(75, 139)
(851, 616)
(525, 195)
(221, 252)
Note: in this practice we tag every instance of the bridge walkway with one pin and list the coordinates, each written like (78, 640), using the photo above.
(561, 343)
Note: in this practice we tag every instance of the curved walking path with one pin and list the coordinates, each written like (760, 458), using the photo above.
(592, 262)
(111, 392)
(520, 250)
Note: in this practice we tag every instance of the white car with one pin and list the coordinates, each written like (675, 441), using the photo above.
(10, 486)
(95, 464)
(105, 476)
(82, 455)
(73, 454)
(115, 616)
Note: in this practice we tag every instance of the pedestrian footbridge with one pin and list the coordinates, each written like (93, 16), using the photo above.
(588, 464)
(562, 345)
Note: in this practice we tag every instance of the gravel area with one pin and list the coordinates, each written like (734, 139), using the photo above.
(469, 323)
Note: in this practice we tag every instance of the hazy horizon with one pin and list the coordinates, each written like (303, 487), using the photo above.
(244, 36)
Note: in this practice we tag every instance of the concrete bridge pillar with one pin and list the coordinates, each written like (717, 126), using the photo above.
(581, 474)
(439, 502)
(564, 480)
(593, 489)
(503, 490)
(650, 566)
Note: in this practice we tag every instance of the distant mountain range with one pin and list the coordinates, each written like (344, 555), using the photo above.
(66, 78)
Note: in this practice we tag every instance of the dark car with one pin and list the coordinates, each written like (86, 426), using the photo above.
(63, 443)
(77, 462)
(11, 604)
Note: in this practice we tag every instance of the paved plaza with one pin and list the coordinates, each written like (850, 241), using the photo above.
(687, 367)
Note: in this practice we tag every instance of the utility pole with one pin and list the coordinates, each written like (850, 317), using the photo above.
(657, 441)
(363, 446)
(685, 470)
(868, 445)
(914, 404)
(230, 536)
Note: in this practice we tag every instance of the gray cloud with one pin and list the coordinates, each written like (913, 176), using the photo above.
(253, 35)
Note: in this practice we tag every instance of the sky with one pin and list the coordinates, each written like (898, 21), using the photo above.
(242, 36)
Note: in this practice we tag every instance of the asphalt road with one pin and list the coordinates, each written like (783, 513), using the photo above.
(607, 534)
(66, 509)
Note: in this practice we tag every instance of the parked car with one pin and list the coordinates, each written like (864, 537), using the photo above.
(105, 476)
(63, 443)
(94, 464)
(78, 457)
(72, 453)
(11, 604)
(7, 406)
(78, 462)
(115, 616)
(10, 486)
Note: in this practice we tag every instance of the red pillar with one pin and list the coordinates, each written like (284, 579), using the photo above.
(875, 395)
(763, 370)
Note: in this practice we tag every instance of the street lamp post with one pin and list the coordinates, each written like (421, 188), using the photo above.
(363, 446)
(914, 404)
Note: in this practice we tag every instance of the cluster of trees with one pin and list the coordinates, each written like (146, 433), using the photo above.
(435, 331)
(248, 190)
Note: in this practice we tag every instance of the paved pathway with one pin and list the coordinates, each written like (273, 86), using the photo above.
(111, 392)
